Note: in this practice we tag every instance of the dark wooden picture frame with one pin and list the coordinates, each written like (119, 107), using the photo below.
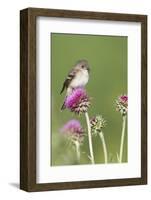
(28, 98)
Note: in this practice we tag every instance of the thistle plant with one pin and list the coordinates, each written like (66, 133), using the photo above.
(75, 133)
(79, 102)
(122, 107)
(97, 124)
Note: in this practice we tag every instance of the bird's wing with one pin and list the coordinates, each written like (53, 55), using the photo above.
(68, 80)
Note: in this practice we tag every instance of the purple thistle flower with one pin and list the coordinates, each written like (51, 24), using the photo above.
(122, 104)
(123, 99)
(74, 130)
(78, 101)
(75, 97)
(72, 126)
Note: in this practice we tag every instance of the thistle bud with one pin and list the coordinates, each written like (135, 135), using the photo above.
(97, 124)
(122, 104)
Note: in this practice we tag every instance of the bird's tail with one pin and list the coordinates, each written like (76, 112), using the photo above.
(63, 106)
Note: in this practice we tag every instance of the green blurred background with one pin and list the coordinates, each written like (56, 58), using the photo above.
(107, 57)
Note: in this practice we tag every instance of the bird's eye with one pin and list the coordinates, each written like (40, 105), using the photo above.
(82, 66)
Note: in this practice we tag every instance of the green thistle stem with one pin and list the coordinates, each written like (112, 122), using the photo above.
(77, 146)
(104, 146)
(89, 138)
(122, 139)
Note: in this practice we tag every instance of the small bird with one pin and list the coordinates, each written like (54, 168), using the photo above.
(77, 77)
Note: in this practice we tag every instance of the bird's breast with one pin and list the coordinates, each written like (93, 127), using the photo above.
(80, 80)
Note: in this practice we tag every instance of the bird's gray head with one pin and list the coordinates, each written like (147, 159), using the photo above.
(83, 64)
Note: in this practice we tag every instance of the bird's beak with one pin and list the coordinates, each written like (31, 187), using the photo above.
(88, 69)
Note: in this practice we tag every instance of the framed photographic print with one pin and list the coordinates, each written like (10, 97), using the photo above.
(83, 99)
